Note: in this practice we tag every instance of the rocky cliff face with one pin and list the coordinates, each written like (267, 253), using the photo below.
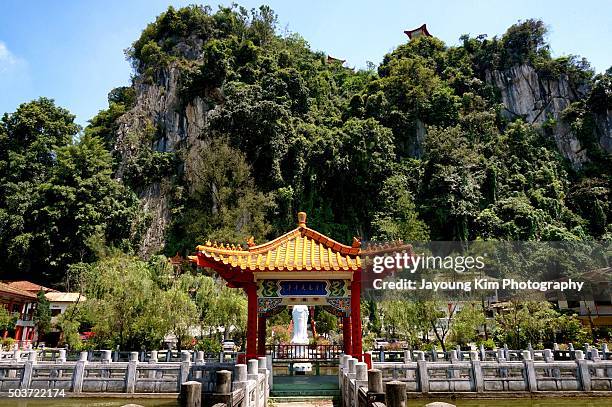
(604, 131)
(176, 127)
(181, 127)
(538, 101)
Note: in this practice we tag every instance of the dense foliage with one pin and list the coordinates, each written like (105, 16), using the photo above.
(57, 195)
(132, 304)
(414, 149)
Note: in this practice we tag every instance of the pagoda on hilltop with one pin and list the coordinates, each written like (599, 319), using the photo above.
(417, 32)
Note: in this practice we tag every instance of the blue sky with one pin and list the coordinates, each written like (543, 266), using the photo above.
(72, 51)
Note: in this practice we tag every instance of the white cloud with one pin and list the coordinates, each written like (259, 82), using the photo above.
(8, 60)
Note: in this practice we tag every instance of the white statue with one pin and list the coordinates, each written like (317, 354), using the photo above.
(300, 319)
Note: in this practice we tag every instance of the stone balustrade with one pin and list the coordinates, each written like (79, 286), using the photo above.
(585, 375)
(25, 371)
(161, 356)
(435, 355)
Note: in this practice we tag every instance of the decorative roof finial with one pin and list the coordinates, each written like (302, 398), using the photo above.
(302, 219)
(251, 241)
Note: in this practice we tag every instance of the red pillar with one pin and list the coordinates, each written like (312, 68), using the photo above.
(346, 335)
(356, 313)
(251, 350)
(261, 336)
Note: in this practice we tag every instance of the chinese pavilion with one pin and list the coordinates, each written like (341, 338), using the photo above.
(302, 266)
(417, 32)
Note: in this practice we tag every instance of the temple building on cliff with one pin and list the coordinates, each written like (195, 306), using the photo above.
(417, 32)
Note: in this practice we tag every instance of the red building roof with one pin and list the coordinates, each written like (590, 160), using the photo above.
(7, 291)
(332, 60)
(422, 30)
(28, 286)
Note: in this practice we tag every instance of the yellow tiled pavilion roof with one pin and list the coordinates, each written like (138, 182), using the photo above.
(300, 249)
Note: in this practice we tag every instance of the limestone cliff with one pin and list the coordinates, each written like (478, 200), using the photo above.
(538, 101)
(604, 131)
(176, 127)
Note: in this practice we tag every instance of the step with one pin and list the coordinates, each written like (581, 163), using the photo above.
(305, 401)
(302, 393)
(291, 399)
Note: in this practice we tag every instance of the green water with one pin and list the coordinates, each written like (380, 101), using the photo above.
(95, 402)
(568, 402)
(85, 402)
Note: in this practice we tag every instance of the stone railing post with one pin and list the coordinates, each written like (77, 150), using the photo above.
(407, 356)
(434, 353)
(352, 365)
(263, 369)
(483, 353)
(130, 384)
(453, 359)
(396, 394)
(549, 357)
(199, 361)
(530, 374)
(224, 382)
(61, 356)
(586, 348)
(596, 359)
(348, 374)
(252, 374)
(501, 358)
(423, 373)
(506, 352)
(375, 383)
(106, 356)
(79, 373)
(12, 373)
(270, 367)
(185, 366)
(191, 394)
(153, 360)
(477, 372)
(583, 370)
(28, 368)
(240, 381)
(361, 379)
(252, 369)
(604, 356)
(555, 347)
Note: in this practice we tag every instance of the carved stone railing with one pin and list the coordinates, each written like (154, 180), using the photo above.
(388, 382)
(250, 387)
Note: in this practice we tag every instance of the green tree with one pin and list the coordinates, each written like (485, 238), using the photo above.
(58, 194)
(181, 314)
(42, 315)
(526, 322)
(326, 323)
(399, 220)
(7, 320)
(467, 322)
